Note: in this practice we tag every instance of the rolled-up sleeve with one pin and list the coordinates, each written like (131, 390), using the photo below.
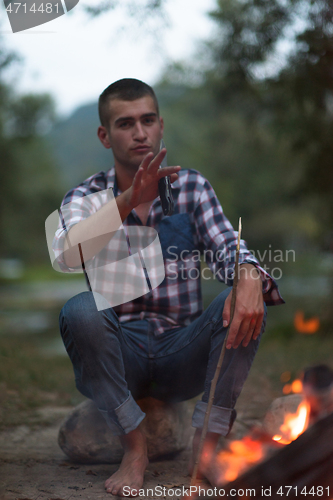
(75, 207)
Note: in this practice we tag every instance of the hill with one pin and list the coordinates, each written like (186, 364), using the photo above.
(76, 147)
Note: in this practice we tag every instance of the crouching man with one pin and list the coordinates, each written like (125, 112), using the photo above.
(161, 343)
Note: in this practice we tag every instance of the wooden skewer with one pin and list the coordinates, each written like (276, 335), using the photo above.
(219, 363)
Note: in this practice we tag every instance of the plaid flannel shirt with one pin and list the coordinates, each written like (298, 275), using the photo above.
(197, 227)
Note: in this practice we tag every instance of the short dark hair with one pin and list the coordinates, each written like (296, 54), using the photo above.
(127, 89)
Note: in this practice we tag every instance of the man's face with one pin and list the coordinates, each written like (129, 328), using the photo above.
(134, 131)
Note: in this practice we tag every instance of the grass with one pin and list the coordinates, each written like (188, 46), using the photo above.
(278, 354)
(29, 381)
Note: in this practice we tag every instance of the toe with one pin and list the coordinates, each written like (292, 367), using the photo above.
(110, 487)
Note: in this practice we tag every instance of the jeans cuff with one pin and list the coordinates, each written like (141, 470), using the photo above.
(125, 418)
(220, 419)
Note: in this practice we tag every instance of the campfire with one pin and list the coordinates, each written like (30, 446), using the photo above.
(255, 447)
(299, 455)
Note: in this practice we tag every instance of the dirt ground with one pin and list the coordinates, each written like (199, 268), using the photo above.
(33, 467)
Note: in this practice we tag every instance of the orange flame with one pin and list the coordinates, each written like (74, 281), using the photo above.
(294, 424)
(308, 326)
(238, 457)
(241, 455)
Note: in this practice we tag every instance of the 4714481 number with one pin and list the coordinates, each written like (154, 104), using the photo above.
(18, 7)
(314, 491)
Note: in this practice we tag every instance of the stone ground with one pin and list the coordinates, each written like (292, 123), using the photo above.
(33, 467)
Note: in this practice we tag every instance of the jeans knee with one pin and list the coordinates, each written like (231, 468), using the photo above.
(81, 316)
(76, 309)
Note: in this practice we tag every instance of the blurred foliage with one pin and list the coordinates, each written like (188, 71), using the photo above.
(147, 15)
(134, 7)
(293, 104)
(259, 123)
(29, 187)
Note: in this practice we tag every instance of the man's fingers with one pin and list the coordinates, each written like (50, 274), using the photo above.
(137, 179)
(234, 328)
(244, 329)
(173, 177)
(146, 161)
(249, 333)
(165, 171)
(155, 163)
(254, 331)
(152, 165)
(136, 186)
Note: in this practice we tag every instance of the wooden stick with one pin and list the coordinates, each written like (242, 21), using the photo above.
(219, 363)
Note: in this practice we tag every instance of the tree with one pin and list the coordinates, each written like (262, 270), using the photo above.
(29, 182)
(271, 66)
(295, 97)
(144, 7)
(148, 15)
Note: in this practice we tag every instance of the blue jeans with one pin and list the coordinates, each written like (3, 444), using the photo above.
(116, 363)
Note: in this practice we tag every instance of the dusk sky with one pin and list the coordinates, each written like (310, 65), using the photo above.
(74, 57)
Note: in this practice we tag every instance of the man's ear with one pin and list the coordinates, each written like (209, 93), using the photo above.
(103, 136)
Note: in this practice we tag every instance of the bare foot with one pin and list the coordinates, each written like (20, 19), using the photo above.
(129, 477)
(207, 468)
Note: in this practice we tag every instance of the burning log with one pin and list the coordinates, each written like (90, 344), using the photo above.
(305, 465)
(300, 469)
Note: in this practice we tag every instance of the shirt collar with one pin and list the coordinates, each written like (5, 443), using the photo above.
(110, 177)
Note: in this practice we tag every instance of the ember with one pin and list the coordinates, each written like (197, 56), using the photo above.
(296, 387)
(309, 326)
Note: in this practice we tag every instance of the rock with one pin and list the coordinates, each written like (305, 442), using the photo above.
(85, 436)
(278, 410)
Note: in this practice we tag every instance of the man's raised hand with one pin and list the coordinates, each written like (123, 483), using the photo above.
(145, 183)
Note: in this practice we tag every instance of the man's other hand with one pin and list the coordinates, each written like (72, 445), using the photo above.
(249, 308)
